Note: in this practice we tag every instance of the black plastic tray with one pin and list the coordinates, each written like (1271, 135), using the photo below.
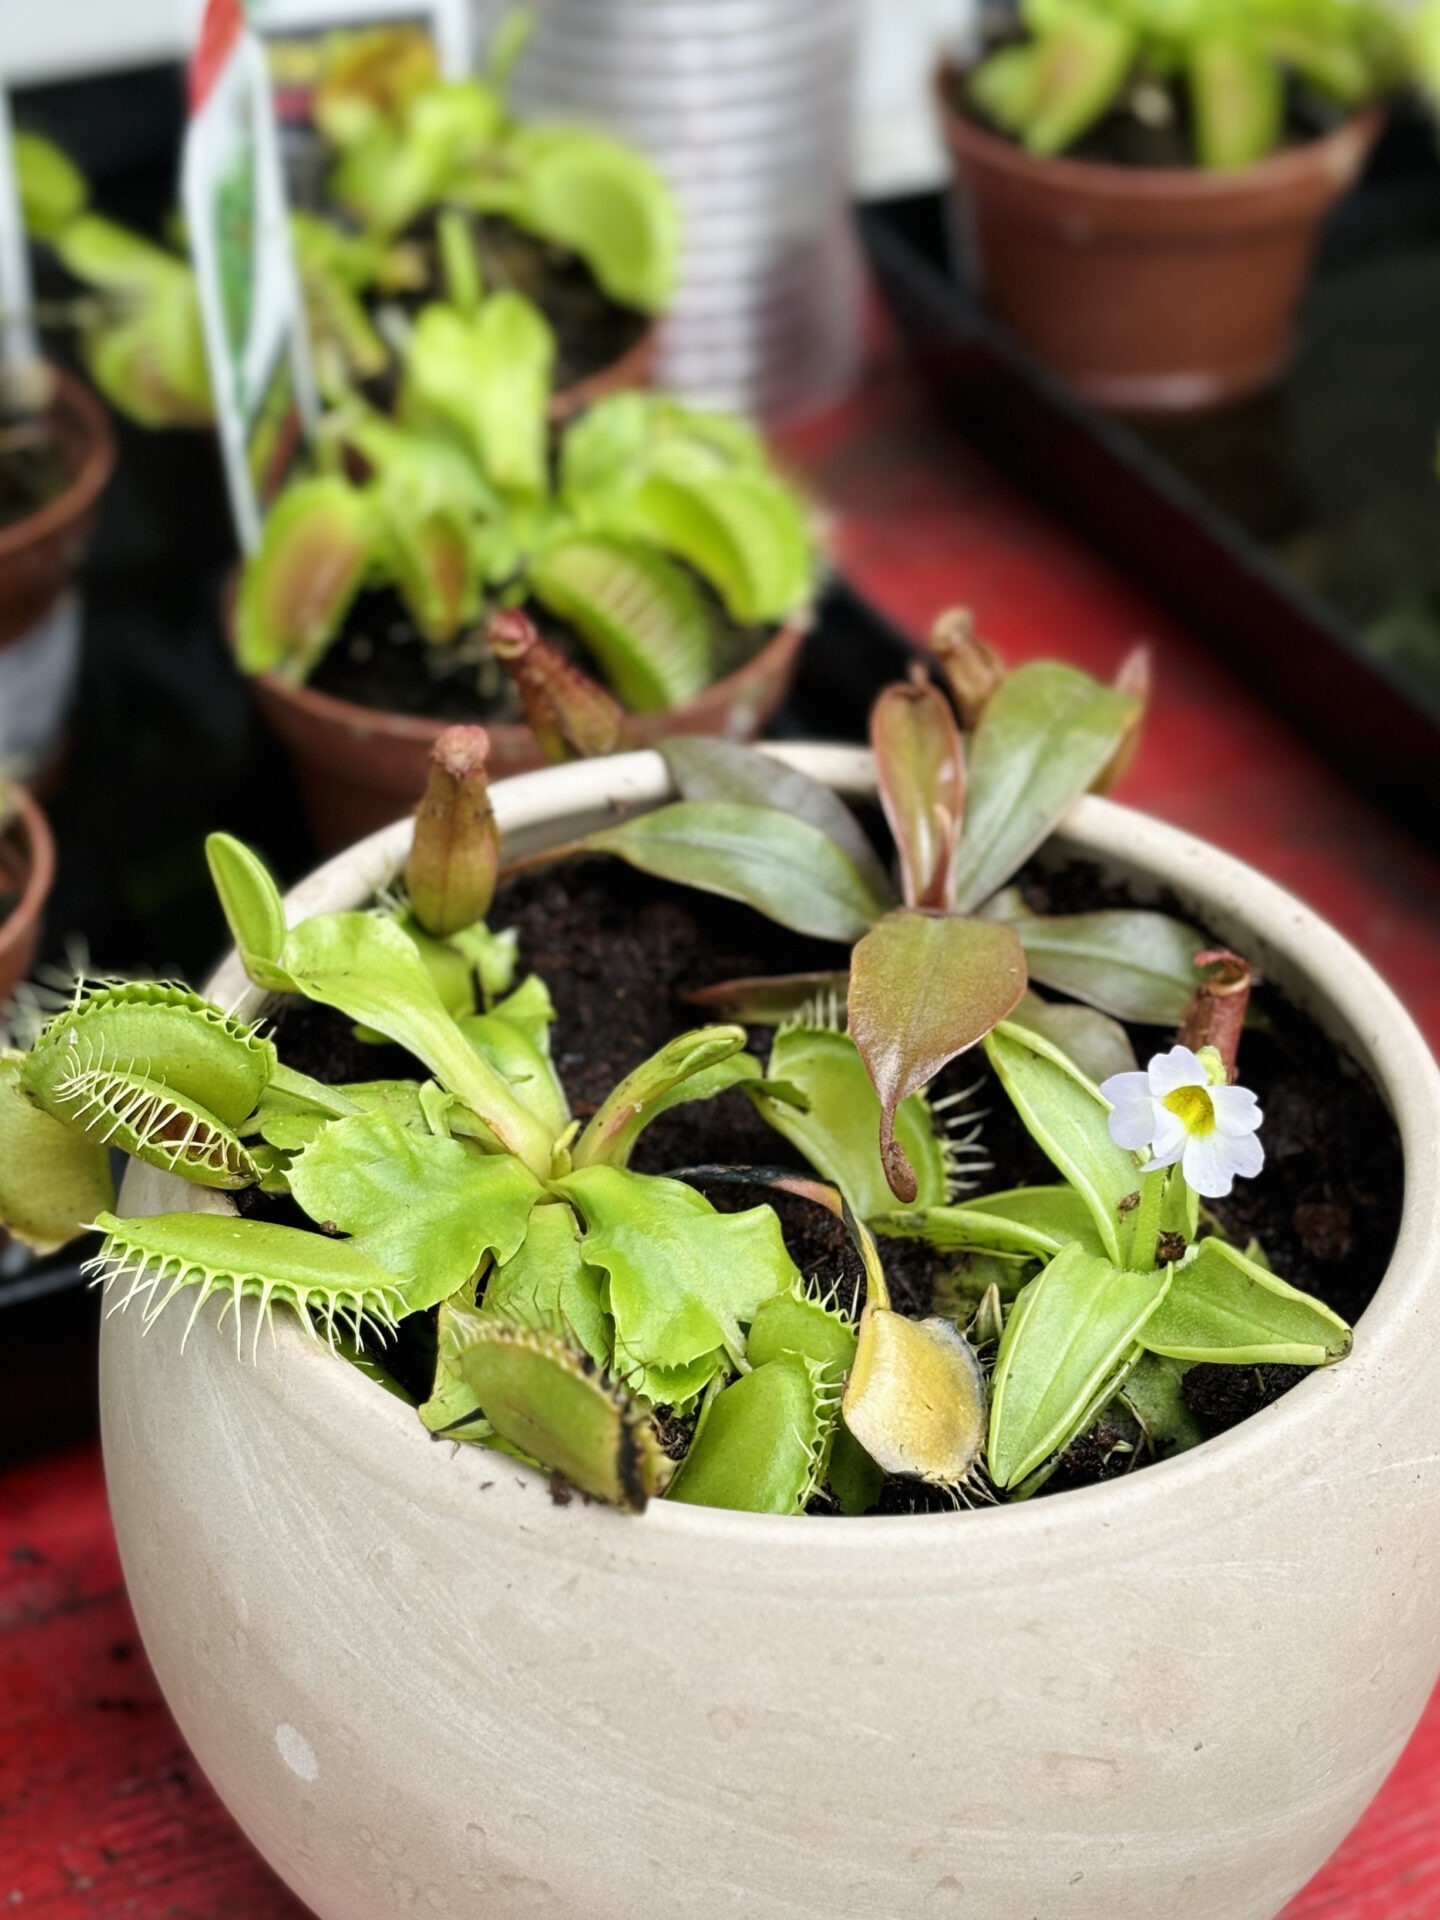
(1300, 534)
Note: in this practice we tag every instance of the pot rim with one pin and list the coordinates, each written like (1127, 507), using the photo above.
(40, 844)
(85, 485)
(1392, 1334)
(1152, 186)
(329, 710)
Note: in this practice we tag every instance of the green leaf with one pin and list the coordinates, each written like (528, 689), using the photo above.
(544, 1397)
(693, 1066)
(428, 1210)
(1039, 1221)
(923, 988)
(295, 590)
(514, 1037)
(1047, 733)
(1069, 1120)
(1237, 98)
(786, 869)
(705, 769)
(743, 532)
(487, 379)
(452, 1409)
(53, 1181)
(548, 1284)
(1153, 1394)
(638, 614)
(1098, 1045)
(369, 969)
(838, 1127)
(683, 1278)
(761, 1442)
(1005, 87)
(1127, 962)
(253, 909)
(1083, 63)
(1070, 1334)
(795, 1323)
(52, 188)
(1225, 1308)
(605, 202)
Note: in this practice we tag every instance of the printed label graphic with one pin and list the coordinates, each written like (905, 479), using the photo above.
(235, 203)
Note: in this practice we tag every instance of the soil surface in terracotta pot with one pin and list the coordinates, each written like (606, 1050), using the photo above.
(33, 468)
(620, 952)
(600, 346)
(381, 660)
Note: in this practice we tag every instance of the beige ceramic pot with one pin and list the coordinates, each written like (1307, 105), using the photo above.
(424, 1688)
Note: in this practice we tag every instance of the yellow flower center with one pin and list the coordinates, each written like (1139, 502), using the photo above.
(1193, 1108)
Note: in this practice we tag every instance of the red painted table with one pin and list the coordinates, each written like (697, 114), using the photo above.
(102, 1810)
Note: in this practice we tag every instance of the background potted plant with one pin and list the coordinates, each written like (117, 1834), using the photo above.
(1143, 187)
(27, 871)
(657, 544)
(581, 224)
(752, 1612)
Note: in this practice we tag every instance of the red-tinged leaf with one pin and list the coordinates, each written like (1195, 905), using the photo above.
(1135, 679)
(768, 1000)
(920, 769)
(972, 670)
(923, 988)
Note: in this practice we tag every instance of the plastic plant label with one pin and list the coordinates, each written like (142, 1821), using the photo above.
(235, 204)
(302, 36)
(17, 336)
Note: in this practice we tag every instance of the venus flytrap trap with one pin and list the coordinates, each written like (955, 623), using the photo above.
(616, 1327)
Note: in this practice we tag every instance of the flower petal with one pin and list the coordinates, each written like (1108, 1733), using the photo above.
(1247, 1156)
(1133, 1123)
(1122, 1088)
(1237, 1111)
(1169, 1141)
(1209, 1164)
(1178, 1068)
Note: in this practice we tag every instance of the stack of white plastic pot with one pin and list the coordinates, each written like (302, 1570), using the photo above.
(746, 107)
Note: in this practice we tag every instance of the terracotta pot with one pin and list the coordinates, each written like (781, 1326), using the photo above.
(40, 554)
(27, 868)
(359, 768)
(39, 557)
(634, 368)
(420, 1685)
(1149, 290)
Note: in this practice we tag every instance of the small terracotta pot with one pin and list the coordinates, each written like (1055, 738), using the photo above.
(359, 768)
(1149, 290)
(633, 369)
(40, 554)
(27, 868)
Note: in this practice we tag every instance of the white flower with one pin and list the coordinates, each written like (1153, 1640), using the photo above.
(1176, 1111)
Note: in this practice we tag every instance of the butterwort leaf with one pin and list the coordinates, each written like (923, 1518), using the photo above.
(1225, 1308)
(1069, 1119)
(785, 868)
(923, 988)
(1047, 733)
(1066, 1344)
(920, 769)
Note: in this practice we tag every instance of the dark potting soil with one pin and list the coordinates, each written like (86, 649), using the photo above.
(32, 471)
(1165, 136)
(379, 659)
(619, 953)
